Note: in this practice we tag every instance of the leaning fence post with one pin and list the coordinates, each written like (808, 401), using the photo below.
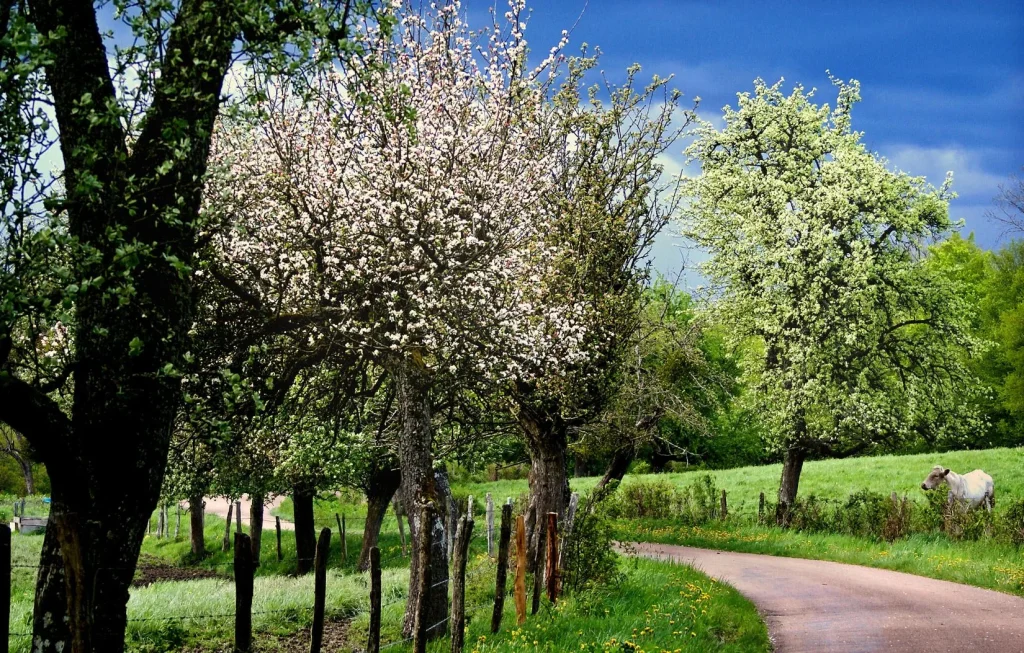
(426, 536)
(760, 509)
(500, 580)
(551, 572)
(5, 586)
(570, 519)
(463, 533)
(490, 525)
(243, 593)
(373, 636)
(323, 549)
(227, 528)
(520, 583)
(725, 507)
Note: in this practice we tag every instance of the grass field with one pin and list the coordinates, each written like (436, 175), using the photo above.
(988, 562)
(833, 479)
(657, 607)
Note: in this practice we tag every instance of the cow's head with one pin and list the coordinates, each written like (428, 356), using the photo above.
(935, 478)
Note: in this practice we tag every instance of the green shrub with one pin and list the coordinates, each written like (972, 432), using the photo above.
(643, 499)
(590, 559)
(1013, 522)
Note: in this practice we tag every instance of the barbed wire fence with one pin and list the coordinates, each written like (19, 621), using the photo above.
(242, 565)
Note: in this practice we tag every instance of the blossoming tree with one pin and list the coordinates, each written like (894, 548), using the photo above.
(609, 202)
(815, 252)
(402, 214)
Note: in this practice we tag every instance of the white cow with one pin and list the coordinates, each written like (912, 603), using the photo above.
(976, 488)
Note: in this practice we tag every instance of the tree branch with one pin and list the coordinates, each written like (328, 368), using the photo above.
(37, 417)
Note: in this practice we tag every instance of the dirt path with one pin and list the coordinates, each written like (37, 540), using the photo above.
(817, 607)
(219, 506)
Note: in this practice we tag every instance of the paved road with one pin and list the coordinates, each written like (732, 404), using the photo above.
(219, 506)
(827, 607)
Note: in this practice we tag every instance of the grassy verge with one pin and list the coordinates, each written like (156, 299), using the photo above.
(983, 563)
(657, 607)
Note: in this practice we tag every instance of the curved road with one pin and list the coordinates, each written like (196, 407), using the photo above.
(219, 506)
(816, 607)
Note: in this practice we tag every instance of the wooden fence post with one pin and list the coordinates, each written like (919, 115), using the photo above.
(502, 577)
(760, 509)
(551, 572)
(538, 563)
(401, 528)
(463, 533)
(725, 507)
(277, 525)
(342, 536)
(426, 536)
(5, 586)
(238, 516)
(227, 528)
(490, 525)
(243, 593)
(520, 583)
(177, 523)
(161, 521)
(323, 550)
(373, 637)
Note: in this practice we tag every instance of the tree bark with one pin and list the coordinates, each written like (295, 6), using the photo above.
(548, 443)
(617, 467)
(792, 464)
(96, 562)
(305, 528)
(382, 485)
(256, 526)
(197, 524)
(418, 488)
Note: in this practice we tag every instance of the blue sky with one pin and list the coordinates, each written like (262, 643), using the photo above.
(942, 83)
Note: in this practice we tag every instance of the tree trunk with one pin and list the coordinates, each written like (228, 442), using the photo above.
(792, 464)
(107, 462)
(618, 466)
(197, 524)
(305, 529)
(86, 567)
(418, 488)
(548, 444)
(383, 484)
(256, 526)
(26, 472)
(579, 467)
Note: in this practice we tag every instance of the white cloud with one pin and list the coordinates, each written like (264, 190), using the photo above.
(970, 179)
